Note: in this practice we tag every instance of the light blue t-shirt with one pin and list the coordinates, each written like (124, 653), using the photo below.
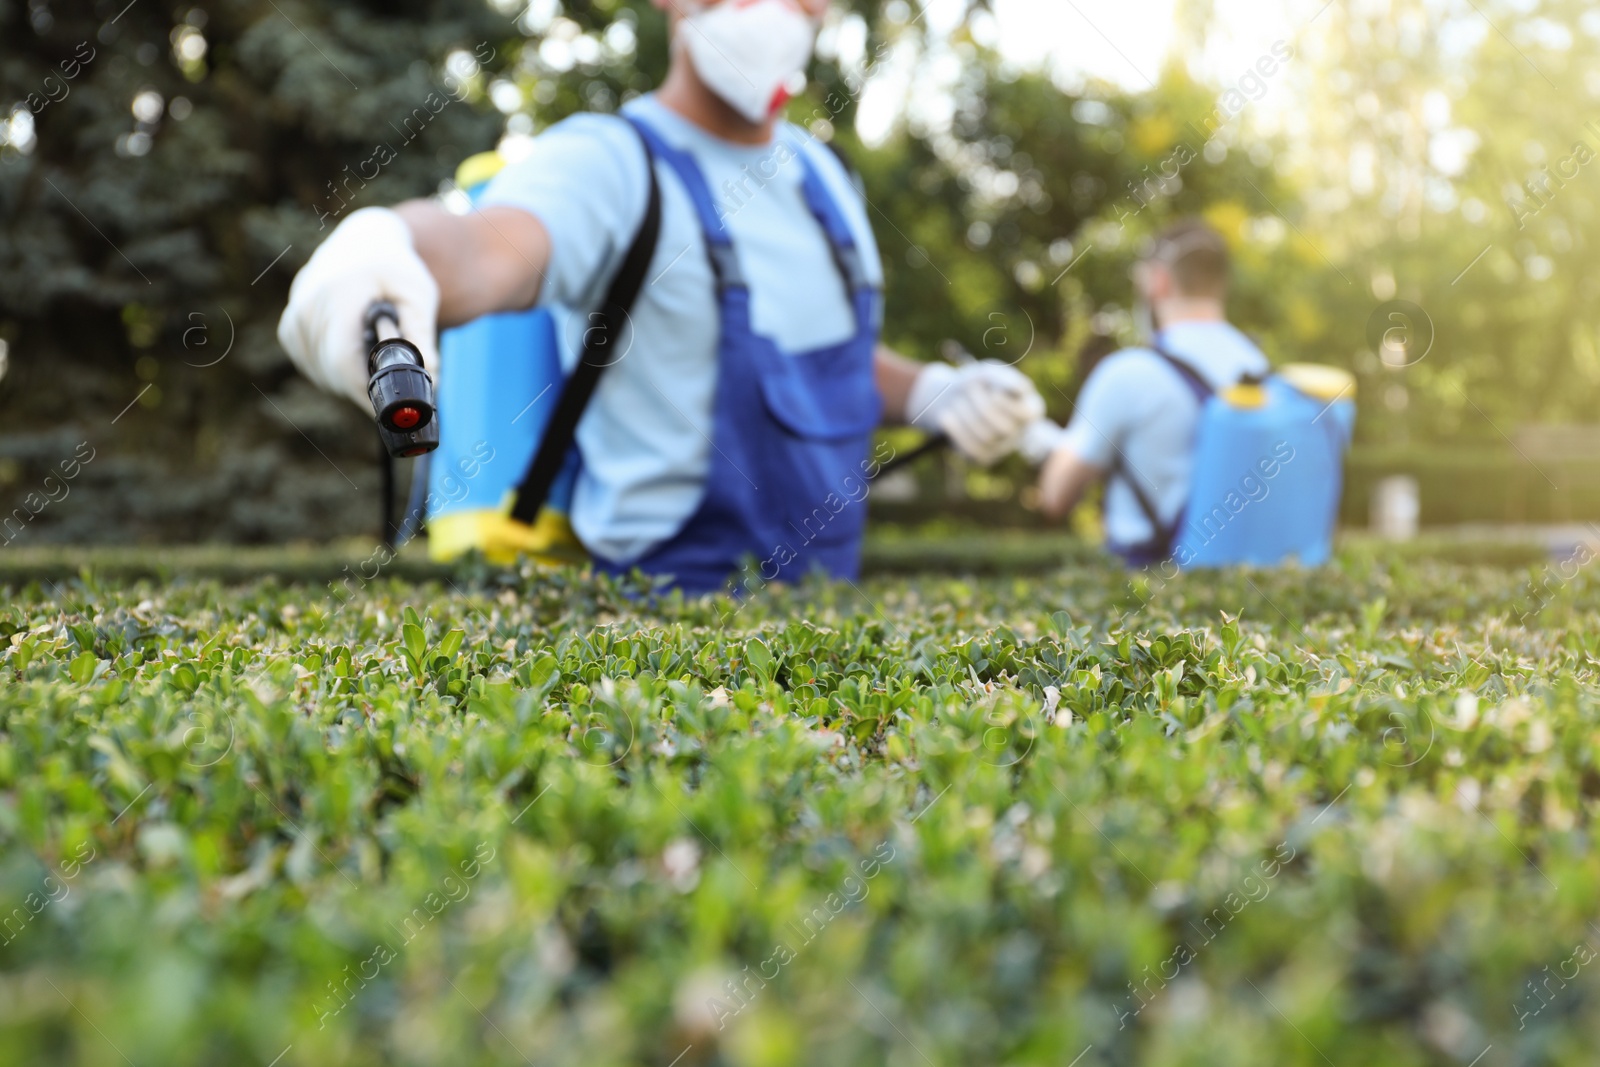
(1136, 404)
(646, 437)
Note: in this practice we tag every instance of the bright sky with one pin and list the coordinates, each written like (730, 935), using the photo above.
(1121, 41)
(1126, 41)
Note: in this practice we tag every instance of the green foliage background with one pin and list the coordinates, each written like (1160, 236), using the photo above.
(136, 252)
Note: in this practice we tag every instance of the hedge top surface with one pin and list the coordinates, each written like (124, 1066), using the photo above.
(1338, 816)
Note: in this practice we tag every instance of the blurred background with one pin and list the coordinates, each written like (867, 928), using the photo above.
(1409, 187)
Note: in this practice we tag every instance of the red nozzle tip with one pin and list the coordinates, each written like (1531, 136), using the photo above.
(405, 418)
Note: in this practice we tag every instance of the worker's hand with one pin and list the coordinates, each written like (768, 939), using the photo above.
(984, 408)
(369, 256)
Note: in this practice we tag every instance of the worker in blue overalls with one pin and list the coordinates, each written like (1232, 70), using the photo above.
(737, 425)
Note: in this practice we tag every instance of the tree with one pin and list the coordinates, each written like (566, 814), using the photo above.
(162, 177)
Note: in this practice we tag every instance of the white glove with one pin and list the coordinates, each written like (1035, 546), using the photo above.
(984, 408)
(368, 256)
(1041, 438)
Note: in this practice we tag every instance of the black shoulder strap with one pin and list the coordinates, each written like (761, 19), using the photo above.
(1162, 533)
(1197, 385)
(594, 358)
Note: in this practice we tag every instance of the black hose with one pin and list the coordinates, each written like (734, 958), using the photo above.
(932, 443)
(416, 503)
(386, 493)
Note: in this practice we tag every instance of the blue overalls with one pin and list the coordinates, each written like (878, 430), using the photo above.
(786, 491)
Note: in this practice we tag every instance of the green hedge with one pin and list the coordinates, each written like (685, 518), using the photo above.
(1467, 484)
(1256, 819)
(942, 548)
(1492, 484)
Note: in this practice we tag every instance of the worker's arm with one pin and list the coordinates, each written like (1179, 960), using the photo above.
(490, 260)
(437, 269)
(1063, 480)
(583, 191)
(896, 375)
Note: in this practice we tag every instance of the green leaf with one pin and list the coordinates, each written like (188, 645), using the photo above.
(543, 673)
(83, 634)
(759, 659)
(82, 667)
(413, 640)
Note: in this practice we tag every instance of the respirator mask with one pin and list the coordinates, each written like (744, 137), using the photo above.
(751, 53)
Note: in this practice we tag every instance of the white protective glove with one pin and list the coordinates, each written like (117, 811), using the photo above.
(983, 408)
(368, 256)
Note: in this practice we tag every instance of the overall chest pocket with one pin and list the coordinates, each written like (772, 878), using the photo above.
(827, 395)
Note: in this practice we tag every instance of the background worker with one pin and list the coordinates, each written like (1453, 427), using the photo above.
(752, 375)
(1135, 418)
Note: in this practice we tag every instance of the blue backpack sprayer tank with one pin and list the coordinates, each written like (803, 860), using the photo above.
(1268, 470)
(502, 479)
(499, 379)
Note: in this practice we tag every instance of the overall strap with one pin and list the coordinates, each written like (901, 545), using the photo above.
(719, 244)
(1162, 534)
(841, 238)
(551, 454)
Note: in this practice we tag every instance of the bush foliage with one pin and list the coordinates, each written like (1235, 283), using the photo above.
(1250, 818)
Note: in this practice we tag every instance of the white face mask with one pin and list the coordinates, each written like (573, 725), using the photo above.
(751, 53)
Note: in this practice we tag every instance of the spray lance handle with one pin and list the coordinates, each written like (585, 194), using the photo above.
(398, 385)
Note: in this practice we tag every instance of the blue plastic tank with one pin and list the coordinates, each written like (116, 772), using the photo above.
(499, 378)
(1269, 469)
